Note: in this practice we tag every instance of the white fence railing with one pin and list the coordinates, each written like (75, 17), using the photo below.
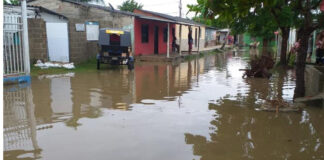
(13, 54)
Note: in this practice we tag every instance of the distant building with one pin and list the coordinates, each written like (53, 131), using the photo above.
(210, 37)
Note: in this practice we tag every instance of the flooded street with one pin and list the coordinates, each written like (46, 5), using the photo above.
(199, 109)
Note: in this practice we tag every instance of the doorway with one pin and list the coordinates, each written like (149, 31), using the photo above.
(57, 42)
(156, 40)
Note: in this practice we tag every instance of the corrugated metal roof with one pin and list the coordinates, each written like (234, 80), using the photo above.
(154, 19)
(173, 18)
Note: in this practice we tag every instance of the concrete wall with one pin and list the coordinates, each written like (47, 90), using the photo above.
(184, 37)
(81, 49)
(37, 40)
(314, 81)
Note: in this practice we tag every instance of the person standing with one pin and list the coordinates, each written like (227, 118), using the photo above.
(319, 48)
(310, 48)
(190, 40)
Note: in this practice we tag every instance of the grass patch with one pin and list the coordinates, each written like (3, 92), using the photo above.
(90, 65)
(189, 57)
(34, 71)
(201, 54)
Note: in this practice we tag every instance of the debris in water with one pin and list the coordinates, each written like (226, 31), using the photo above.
(54, 65)
(259, 67)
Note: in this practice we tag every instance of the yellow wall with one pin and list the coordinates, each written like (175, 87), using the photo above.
(185, 31)
(184, 36)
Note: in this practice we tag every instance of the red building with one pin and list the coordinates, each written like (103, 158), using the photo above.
(151, 34)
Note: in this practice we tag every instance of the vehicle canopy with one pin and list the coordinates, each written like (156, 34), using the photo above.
(114, 37)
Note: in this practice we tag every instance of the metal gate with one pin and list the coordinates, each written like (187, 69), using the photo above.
(13, 54)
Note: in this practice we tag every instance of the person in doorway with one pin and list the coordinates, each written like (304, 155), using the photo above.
(175, 45)
(190, 40)
(320, 48)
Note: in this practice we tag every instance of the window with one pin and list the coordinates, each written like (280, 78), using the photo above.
(145, 33)
(173, 32)
(165, 34)
(92, 29)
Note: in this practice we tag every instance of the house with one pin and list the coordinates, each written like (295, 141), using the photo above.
(183, 25)
(210, 36)
(153, 35)
(222, 35)
(84, 21)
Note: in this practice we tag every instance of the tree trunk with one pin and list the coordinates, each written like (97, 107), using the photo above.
(265, 42)
(303, 35)
(284, 43)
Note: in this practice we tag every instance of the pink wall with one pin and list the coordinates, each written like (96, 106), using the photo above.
(148, 48)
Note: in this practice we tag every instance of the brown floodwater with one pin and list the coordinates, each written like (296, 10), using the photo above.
(198, 109)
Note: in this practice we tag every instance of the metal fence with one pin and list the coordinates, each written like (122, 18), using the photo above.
(13, 54)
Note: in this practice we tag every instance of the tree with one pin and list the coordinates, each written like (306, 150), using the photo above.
(277, 14)
(304, 15)
(130, 6)
(259, 23)
(281, 11)
(240, 16)
(309, 18)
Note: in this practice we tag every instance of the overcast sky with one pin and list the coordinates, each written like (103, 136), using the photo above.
(170, 7)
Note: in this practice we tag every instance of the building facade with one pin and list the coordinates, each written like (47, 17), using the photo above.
(84, 21)
(198, 30)
(151, 36)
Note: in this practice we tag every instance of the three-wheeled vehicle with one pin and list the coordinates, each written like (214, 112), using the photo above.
(114, 48)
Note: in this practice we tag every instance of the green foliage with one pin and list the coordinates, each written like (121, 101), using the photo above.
(130, 6)
(260, 24)
(11, 2)
(239, 15)
(258, 17)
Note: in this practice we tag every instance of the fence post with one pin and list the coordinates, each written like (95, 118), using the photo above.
(25, 36)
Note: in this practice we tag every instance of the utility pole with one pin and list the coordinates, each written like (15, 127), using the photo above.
(180, 27)
(180, 7)
(25, 36)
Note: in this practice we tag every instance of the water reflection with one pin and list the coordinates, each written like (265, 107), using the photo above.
(19, 127)
(240, 133)
(150, 110)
